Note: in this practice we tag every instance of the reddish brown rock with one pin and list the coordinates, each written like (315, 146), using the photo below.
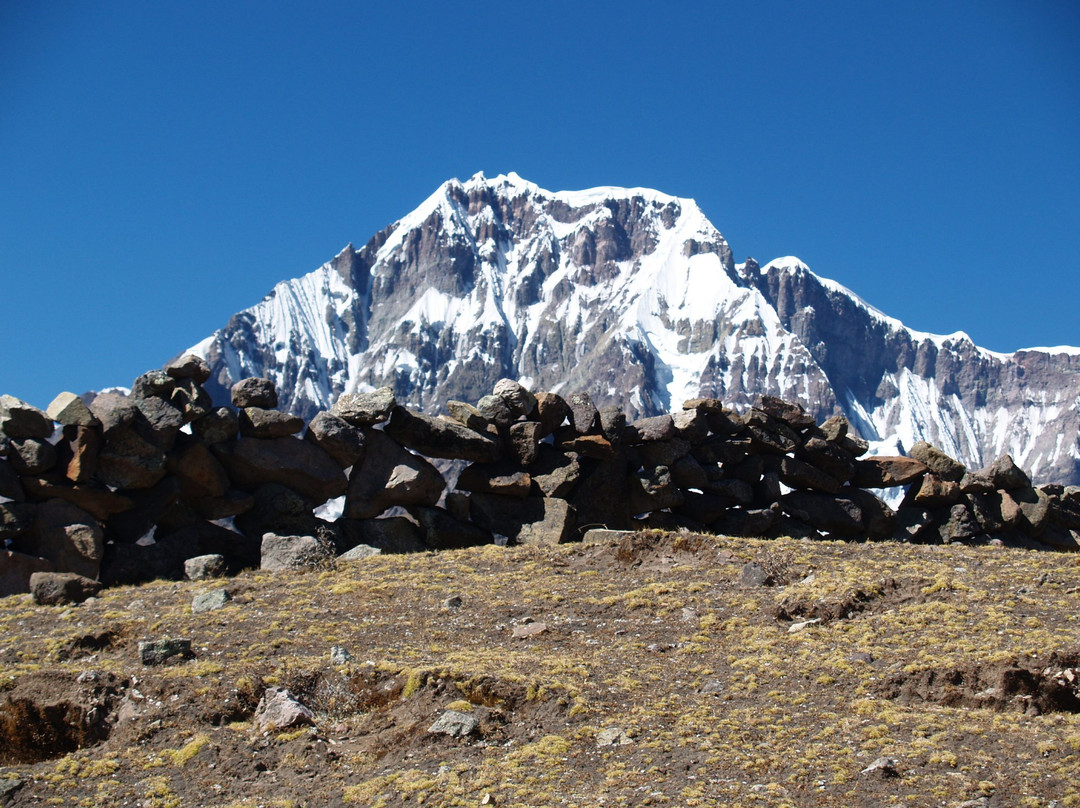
(886, 472)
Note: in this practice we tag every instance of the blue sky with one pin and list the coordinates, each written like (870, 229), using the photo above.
(162, 165)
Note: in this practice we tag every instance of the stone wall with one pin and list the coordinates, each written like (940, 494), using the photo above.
(127, 488)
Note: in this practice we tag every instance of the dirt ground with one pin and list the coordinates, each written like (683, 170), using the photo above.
(661, 669)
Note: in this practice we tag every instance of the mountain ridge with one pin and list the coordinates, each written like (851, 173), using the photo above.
(633, 296)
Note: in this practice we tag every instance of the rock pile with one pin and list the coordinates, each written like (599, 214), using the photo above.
(129, 488)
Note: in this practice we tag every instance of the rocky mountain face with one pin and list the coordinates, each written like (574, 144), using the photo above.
(634, 297)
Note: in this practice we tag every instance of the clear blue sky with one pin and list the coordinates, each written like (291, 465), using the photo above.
(162, 165)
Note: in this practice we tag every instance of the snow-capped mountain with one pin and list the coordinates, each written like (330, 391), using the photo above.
(634, 297)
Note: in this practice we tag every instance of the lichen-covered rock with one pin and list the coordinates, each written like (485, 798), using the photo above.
(280, 553)
(522, 403)
(365, 409)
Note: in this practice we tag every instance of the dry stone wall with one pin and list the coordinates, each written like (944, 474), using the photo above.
(128, 488)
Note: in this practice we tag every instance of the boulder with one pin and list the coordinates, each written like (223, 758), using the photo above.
(612, 423)
(69, 537)
(279, 709)
(790, 413)
(554, 474)
(887, 472)
(390, 475)
(688, 473)
(280, 553)
(961, 524)
(279, 509)
(94, 498)
(158, 652)
(1034, 506)
(209, 601)
(21, 420)
(467, 415)
(663, 452)
(797, 474)
(495, 410)
(878, 517)
(68, 409)
(933, 491)
(254, 392)
(394, 534)
(153, 384)
(189, 366)
(937, 461)
(128, 461)
(986, 508)
(61, 588)
(338, 438)
(114, 411)
(1007, 476)
(769, 435)
(439, 437)
(455, 724)
(160, 423)
(522, 441)
(691, 425)
(551, 411)
(746, 522)
(838, 516)
(257, 422)
(703, 508)
(365, 409)
(219, 426)
(290, 461)
(595, 446)
(977, 482)
(441, 531)
(653, 490)
(16, 570)
(31, 456)
(584, 417)
(601, 494)
(521, 402)
(199, 472)
(503, 479)
(203, 567)
(835, 428)
(534, 521)
(828, 457)
(231, 503)
(659, 427)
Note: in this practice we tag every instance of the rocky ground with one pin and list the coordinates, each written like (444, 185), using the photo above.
(654, 669)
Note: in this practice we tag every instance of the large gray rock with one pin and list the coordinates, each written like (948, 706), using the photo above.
(659, 427)
(279, 709)
(203, 567)
(153, 384)
(535, 521)
(887, 472)
(16, 570)
(128, 461)
(70, 410)
(31, 456)
(114, 411)
(438, 437)
(365, 409)
(653, 490)
(338, 438)
(21, 420)
(280, 553)
(257, 422)
(584, 417)
(937, 461)
(189, 366)
(69, 537)
(290, 461)
(554, 474)
(551, 411)
(160, 423)
(59, 588)
(522, 439)
(522, 403)
(218, 426)
(1007, 475)
(390, 475)
(254, 392)
(837, 516)
(199, 472)
(191, 400)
